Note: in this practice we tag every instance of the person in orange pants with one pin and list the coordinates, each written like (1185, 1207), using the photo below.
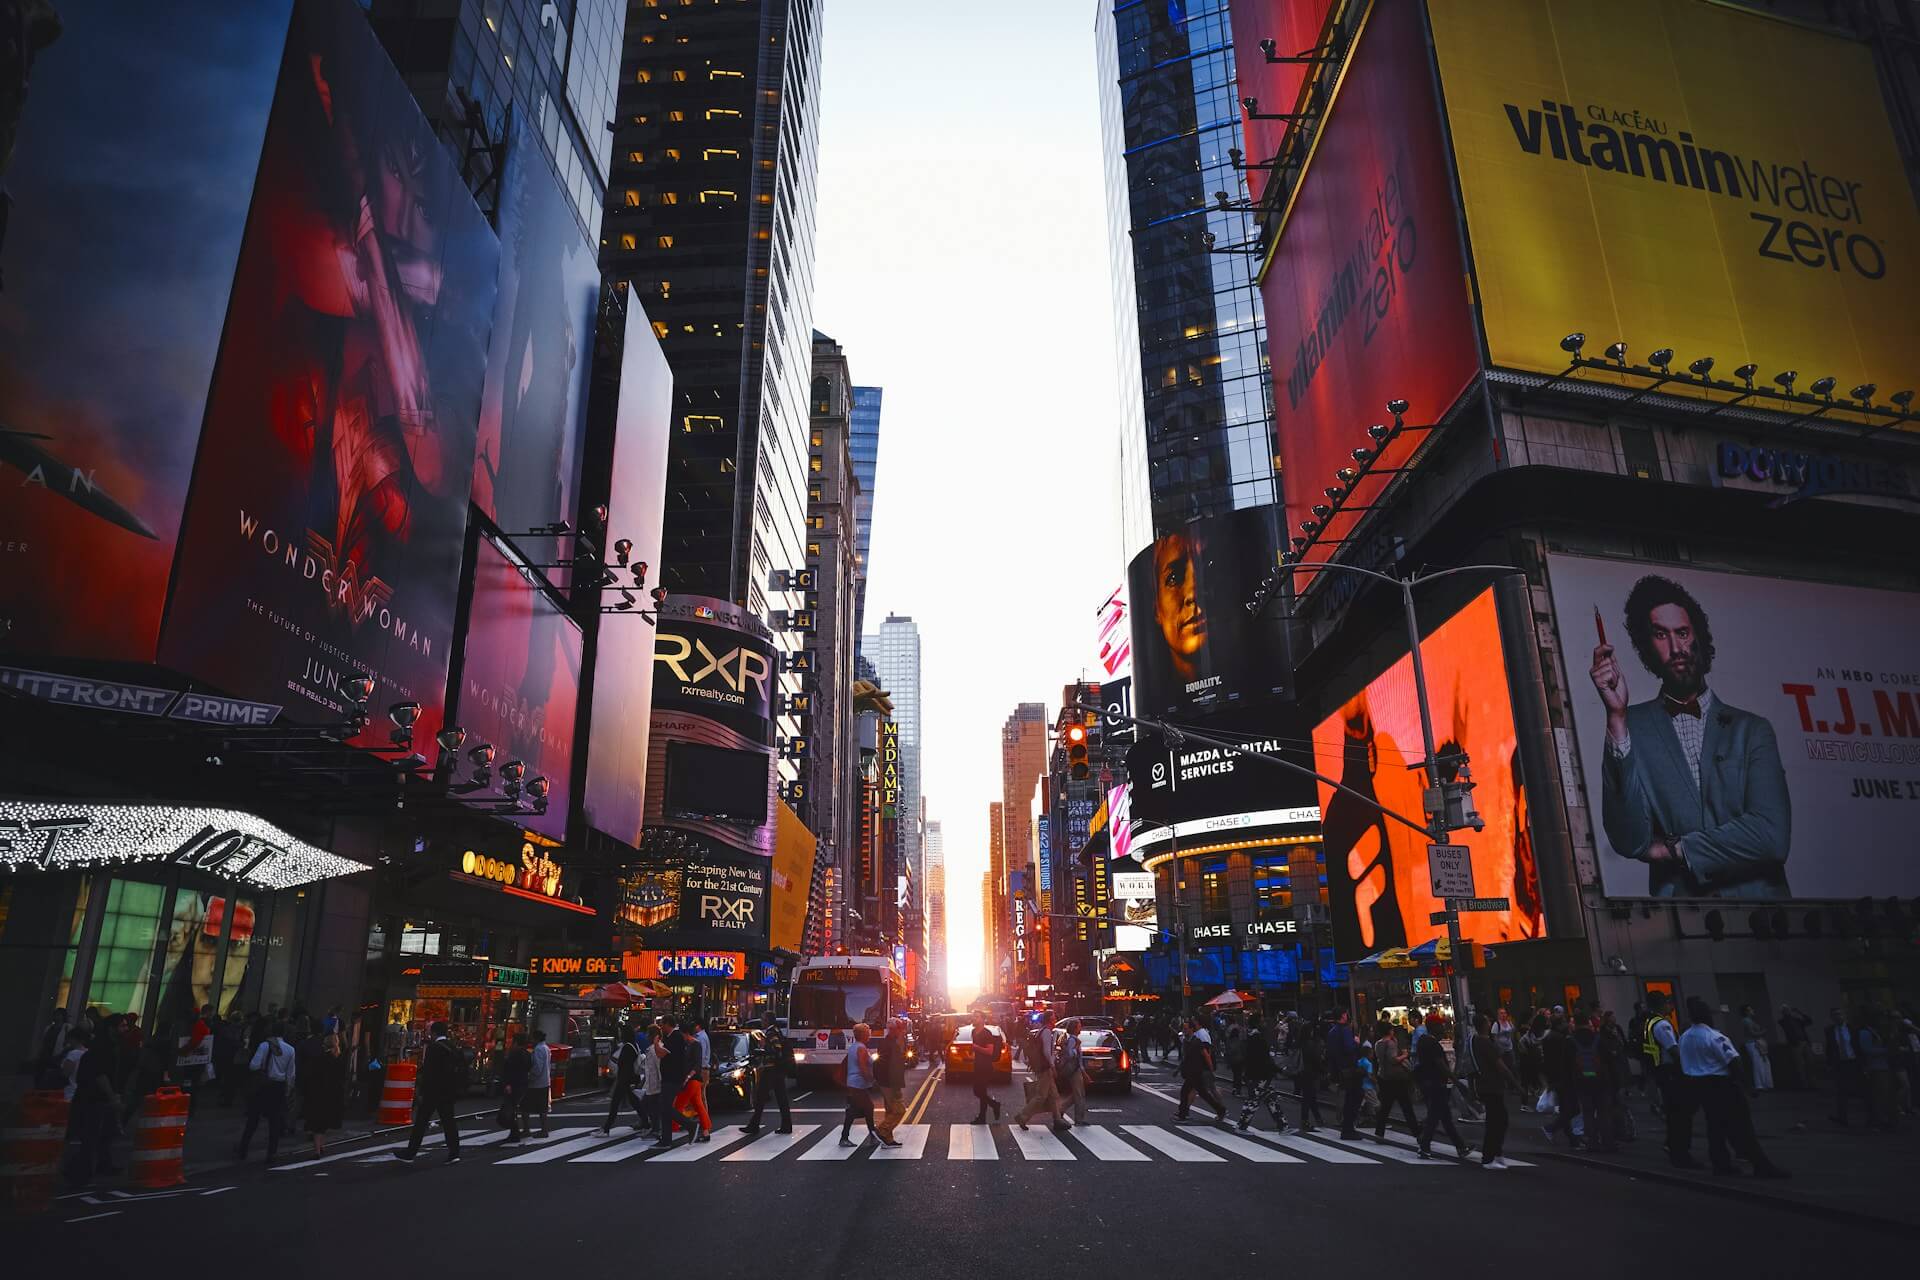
(692, 1098)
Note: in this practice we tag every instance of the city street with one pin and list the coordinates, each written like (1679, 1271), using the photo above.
(1129, 1188)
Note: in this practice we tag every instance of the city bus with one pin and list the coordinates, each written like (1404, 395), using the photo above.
(828, 996)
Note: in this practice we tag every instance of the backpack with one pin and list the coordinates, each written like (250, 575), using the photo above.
(1586, 1057)
(1313, 1053)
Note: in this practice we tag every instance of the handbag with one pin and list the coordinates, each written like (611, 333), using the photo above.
(1546, 1101)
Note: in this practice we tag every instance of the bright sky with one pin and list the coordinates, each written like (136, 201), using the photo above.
(962, 265)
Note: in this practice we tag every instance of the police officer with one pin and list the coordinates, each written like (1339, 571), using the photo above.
(1661, 1044)
(775, 1061)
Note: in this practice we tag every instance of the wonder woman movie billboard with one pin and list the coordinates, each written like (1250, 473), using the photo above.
(323, 537)
(1378, 882)
(526, 471)
(129, 136)
(520, 679)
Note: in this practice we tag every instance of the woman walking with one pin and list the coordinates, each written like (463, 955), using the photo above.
(860, 1080)
(514, 1074)
(323, 1088)
(1395, 1076)
(1759, 1061)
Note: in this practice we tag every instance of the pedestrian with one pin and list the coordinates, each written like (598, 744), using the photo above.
(1435, 1079)
(1043, 1088)
(626, 1074)
(1531, 1053)
(199, 1043)
(1306, 1080)
(323, 1091)
(1196, 1075)
(1593, 1085)
(1070, 1072)
(95, 1103)
(674, 1049)
(1343, 1064)
(1759, 1056)
(649, 1067)
(1798, 1058)
(539, 1092)
(776, 1062)
(1707, 1058)
(229, 1067)
(75, 1044)
(1661, 1044)
(153, 1067)
(1843, 1061)
(273, 1067)
(691, 1100)
(1557, 1065)
(516, 1070)
(1492, 1080)
(890, 1075)
(1236, 1053)
(986, 1044)
(435, 1091)
(52, 1050)
(1260, 1072)
(859, 1086)
(1876, 1068)
(1393, 1077)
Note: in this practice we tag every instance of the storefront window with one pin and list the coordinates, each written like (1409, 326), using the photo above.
(123, 964)
(1272, 886)
(1213, 890)
(240, 978)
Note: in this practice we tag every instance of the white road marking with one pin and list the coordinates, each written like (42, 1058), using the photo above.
(913, 1143)
(1105, 1145)
(1039, 1144)
(1306, 1146)
(94, 1217)
(1381, 1150)
(577, 1141)
(971, 1142)
(723, 1137)
(1239, 1146)
(1165, 1141)
(774, 1144)
(619, 1151)
(829, 1148)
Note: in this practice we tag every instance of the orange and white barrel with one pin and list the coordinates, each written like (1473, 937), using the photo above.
(30, 1148)
(396, 1093)
(160, 1140)
(558, 1087)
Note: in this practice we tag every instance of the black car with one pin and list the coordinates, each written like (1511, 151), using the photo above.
(737, 1062)
(1105, 1060)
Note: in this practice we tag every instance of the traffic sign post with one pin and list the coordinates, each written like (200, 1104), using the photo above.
(1450, 870)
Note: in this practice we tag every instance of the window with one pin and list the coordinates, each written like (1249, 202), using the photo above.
(722, 113)
(659, 328)
(636, 157)
(679, 76)
(719, 197)
(633, 198)
(717, 74)
(673, 153)
(1213, 891)
(813, 549)
(819, 438)
(1272, 886)
(707, 423)
(816, 465)
(717, 153)
(669, 197)
(629, 241)
(677, 117)
(816, 522)
(643, 76)
(664, 242)
(816, 493)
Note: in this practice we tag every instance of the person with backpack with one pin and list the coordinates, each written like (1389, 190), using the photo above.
(1436, 1086)
(626, 1074)
(890, 1073)
(1196, 1072)
(859, 1088)
(539, 1092)
(515, 1072)
(1593, 1085)
(435, 1092)
(986, 1059)
(1070, 1074)
(776, 1062)
(273, 1067)
(1530, 1052)
(1043, 1088)
(1393, 1074)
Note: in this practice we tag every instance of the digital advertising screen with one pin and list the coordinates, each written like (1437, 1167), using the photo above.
(1197, 794)
(1632, 171)
(1364, 294)
(1379, 886)
(127, 160)
(623, 669)
(716, 782)
(323, 537)
(1196, 649)
(1742, 737)
(520, 680)
(705, 900)
(526, 469)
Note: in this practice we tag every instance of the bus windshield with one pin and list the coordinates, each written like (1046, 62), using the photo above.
(838, 1001)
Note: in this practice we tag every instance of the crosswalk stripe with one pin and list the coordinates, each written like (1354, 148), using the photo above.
(774, 1144)
(1306, 1146)
(561, 1145)
(1166, 1142)
(1105, 1145)
(971, 1142)
(636, 1145)
(357, 1152)
(1380, 1149)
(1239, 1146)
(829, 1148)
(723, 1137)
(1408, 1140)
(1038, 1144)
(913, 1143)
(433, 1143)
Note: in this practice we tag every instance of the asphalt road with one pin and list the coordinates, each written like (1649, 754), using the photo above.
(1131, 1190)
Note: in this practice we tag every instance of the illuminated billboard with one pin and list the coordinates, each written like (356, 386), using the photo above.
(1197, 795)
(520, 679)
(1633, 171)
(623, 673)
(127, 159)
(1294, 28)
(694, 900)
(1379, 888)
(324, 534)
(794, 848)
(1196, 649)
(526, 470)
(1364, 293)
(1767, 740)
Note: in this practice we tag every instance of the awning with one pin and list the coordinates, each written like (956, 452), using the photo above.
(1391, 958)
(1433, 951)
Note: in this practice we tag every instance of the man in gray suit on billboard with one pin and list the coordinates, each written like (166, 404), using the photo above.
(1690, 786)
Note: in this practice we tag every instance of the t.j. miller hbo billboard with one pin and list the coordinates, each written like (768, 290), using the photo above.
(1684, 174)
(1741, 736)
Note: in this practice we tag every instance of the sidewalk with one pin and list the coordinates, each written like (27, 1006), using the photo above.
(1852, 1174)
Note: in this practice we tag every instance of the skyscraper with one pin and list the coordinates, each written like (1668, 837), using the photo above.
(997, 964)
(895, 652)
(1197, 419)
(710, 218)
(864, 443)
(1023, 762)
(934, 846)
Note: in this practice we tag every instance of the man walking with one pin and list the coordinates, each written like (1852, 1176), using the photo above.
(1393, 1075)
(986, 1060)
(1196, 1075)
(1343, 1060)
(1492, 1077)
(673, 1049)
(539, 1082)
(776, 1060)
(890, 1073)
(1707, 1057)
(1436, 1086)
(1070, 1075)
(1044, 1093)
(626, 1073)
(273, 1064)
(1843, 1060)
(434, 1094)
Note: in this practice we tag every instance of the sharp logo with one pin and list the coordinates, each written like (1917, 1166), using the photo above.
(737, 668)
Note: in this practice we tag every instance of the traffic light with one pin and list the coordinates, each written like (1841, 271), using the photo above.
(1077, 765)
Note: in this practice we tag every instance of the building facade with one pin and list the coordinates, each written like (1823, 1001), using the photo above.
(1023, 766)
(1196, 431)
(866, 465)
(895, 652)
(933, 844)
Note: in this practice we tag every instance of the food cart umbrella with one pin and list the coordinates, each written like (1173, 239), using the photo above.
(1227, 1000)
(622, 992)
(1391, 958)
(1433, 951)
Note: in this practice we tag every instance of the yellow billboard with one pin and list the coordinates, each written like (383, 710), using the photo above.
(793, 853)
(1677, 173)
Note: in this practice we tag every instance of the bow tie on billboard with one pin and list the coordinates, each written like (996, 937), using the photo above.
(1676, 707)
